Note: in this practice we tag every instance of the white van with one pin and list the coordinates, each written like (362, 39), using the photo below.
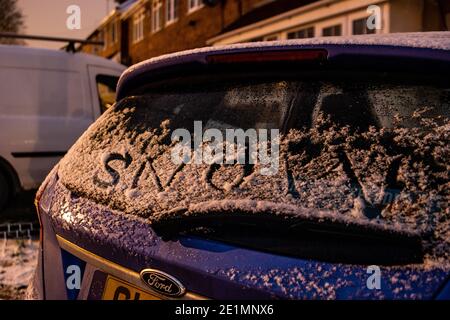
(47, 99)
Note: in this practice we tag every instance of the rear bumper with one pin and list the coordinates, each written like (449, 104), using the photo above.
(98, 264)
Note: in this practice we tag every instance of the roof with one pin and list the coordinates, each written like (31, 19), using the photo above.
(378, 45)
(125, 5)
(120, 9)
(130, 7)
(271, 9)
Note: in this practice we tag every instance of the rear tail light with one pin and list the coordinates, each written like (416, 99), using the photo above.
(43, 203)
(268, 56)
(43, 198)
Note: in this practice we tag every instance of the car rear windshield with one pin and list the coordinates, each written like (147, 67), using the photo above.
(374, 152)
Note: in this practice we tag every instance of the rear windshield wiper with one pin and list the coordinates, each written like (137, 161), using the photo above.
(305, 236)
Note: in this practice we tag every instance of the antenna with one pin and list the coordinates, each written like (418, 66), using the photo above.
(69, 48)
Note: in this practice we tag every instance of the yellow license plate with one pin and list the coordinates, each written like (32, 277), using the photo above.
(116, 289)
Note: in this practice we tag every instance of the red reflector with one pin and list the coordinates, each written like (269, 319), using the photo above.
(269, 56)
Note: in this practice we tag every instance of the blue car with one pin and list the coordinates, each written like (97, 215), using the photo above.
(303, 169)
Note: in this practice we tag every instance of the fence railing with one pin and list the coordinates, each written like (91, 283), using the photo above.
(18, 230)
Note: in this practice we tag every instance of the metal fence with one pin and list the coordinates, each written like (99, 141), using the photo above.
(19, 230)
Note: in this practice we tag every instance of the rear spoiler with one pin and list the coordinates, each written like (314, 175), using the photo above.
(70, 47)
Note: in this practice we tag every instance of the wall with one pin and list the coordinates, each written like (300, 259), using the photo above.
(191, 30)
(406, 15)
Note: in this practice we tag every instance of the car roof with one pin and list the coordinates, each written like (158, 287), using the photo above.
(13, 55)
(429, 45)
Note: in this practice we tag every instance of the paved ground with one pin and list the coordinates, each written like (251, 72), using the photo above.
(17, 256)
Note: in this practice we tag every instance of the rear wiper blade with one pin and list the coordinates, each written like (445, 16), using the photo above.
(305, 235)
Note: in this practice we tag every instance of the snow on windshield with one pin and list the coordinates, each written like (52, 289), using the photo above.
(390, 170)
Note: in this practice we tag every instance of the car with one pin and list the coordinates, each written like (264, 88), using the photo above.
(303, 169)
(49, 97)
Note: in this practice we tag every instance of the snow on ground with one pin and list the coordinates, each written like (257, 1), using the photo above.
(18, 260)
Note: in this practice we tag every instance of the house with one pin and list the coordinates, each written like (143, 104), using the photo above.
(156, 27)
(285, 19)
(137, 30)
(140, 29)
(109, 32)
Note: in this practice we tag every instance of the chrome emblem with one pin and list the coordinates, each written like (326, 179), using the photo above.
(162, 283)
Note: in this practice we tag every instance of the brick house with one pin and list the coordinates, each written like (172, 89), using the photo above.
(148, 28)
(278, 21)
(156, 27)
(109, 32)
(137, 30)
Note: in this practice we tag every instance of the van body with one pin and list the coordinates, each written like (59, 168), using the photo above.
(48, 98)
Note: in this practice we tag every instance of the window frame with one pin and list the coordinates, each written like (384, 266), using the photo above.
(303, 28)
(198, 4)
(365, 29)
(364, 15)
(272, 37)
(157, 6)
(333, 26)
(103, 36)
(138, 25)
(172, 15)
(343, 21)
(113, 32)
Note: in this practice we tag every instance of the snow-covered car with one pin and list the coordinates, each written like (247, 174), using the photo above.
(355, 207)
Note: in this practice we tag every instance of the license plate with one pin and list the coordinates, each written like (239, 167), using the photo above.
(116, 289)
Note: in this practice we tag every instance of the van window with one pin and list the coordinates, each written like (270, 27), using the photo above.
(106, 88)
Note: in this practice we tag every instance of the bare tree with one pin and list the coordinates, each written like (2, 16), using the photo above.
(11, 20)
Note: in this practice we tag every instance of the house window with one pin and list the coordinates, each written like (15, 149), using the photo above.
(301, 34)
(256, 39)
(194, 5)
(156, 15)
(272, 37)
(360, 27)
(171, 11)
(96, 47)
(332, 31)
(113, 32)
(102, 36)
(138, 26)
